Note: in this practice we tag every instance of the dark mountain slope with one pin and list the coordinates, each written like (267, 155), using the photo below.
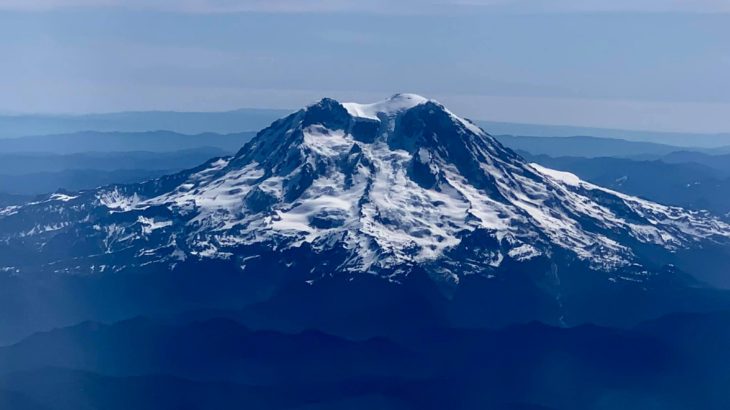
(676, 362)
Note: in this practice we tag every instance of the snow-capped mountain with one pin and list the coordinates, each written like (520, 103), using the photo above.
(378, 188)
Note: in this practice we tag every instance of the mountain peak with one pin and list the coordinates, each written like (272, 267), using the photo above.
(378, 188)
(403, 121)
(386, 108)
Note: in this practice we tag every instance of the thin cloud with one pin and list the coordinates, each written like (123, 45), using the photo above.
(200, 6)
(376, 6)
(660, 6)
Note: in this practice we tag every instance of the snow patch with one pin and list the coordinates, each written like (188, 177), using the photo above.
(390, 107)
(561, 176)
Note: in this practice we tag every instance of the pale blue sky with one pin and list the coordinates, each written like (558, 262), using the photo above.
(644, 64)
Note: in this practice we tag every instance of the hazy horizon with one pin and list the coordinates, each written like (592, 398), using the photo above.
(645, 65)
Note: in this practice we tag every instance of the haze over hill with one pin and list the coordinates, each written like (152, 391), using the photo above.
(248, 120)
(682, 139)
(228, 122)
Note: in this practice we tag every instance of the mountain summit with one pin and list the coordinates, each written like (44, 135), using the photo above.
(384, 189)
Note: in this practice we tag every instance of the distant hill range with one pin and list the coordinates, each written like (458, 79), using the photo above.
(251, 119)
(690, 184)
(96, 141)
(227, 122)
(681, 139)
(36, 173)
(219, 363)
(592, 147)
(696, 178)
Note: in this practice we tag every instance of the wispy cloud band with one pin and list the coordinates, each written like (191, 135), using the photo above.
(376, 6)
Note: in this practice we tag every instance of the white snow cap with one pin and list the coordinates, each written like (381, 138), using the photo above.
(392, 106)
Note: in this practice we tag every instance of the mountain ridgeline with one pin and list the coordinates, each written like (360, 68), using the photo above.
(357, 219)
